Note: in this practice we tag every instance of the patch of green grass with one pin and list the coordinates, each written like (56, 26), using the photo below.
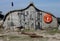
(26, 38)
(28, 30)
(53, 31)
(13, 37)
(17, 38)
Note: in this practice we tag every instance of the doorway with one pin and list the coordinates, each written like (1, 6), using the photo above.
(39, 21)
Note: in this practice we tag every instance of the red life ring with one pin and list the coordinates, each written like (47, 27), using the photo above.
(47, 18)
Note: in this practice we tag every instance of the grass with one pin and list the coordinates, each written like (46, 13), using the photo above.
(53, 31)
(26, 38)
(28, 30)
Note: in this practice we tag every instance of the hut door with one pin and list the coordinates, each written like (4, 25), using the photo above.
(38, 25)
(39, 21)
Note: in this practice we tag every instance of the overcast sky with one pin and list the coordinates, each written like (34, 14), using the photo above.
(52, 6)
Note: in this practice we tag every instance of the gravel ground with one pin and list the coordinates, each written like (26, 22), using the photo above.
(14, 36)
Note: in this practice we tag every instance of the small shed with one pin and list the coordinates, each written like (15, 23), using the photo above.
(30, 18)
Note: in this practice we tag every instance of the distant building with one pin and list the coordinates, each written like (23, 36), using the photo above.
(30, 18)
